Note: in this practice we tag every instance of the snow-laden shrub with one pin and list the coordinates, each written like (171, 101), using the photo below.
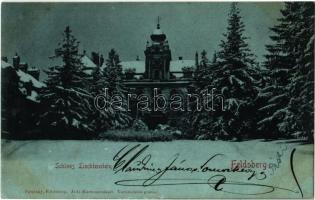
(177, 133)
(139, 136)
(163, 127)
(139, 125)
(203, 137)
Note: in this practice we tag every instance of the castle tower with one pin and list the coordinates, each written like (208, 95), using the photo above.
(157, 56)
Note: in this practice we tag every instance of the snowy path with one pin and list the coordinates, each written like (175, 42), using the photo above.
(46, 169)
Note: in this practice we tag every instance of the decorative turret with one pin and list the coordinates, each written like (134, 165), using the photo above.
(157, 56)
(158, 35)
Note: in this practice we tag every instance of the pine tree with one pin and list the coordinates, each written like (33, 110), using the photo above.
(300, 119)
(201, 75)
(192, 121)
(100, 119)
(66, 97)
(235, 77)
(114, 76)
(283, 112)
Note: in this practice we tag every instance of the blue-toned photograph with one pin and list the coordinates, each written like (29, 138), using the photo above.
(157, 100)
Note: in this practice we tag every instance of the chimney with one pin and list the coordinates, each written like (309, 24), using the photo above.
(180, 58)
(16, 61)
(102, 60)
(196, 59)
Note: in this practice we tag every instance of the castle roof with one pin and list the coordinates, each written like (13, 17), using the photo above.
(157, 32)
(5, 64)
(175, 65)
(138, 65)
(178, 65)
(25, 78)
(158, 35)
(88, 63)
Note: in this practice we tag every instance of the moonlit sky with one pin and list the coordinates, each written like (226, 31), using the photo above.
(33, 30)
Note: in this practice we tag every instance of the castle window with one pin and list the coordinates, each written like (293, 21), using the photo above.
(156, 75)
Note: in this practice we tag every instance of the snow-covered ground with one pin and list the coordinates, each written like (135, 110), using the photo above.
(29, 169)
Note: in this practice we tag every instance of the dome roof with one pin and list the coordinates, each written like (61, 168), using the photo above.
(158, 35)
(157, 32)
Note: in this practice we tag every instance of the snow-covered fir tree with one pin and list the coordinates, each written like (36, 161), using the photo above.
(114, 76)
(100, 119)
(190, 121)
(201, 74)
(300, 120)
(279, 61)
(288, 109)
(235, 75)
(195, 119)
(66, 98)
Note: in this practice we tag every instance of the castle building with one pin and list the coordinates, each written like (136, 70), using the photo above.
(20, 87)
(159, 70)
(26, 78)
(18, 65)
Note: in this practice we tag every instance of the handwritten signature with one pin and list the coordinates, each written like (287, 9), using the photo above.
(136, 159)
(279, 154)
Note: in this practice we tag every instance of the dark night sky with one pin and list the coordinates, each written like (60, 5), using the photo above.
(34, 29)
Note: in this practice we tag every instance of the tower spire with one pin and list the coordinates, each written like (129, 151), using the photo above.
(158, 22)
(158, 36)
